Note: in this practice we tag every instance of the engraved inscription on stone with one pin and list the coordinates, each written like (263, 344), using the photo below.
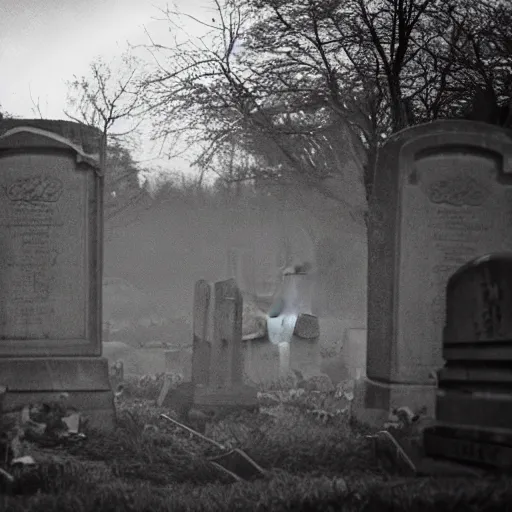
(39, 188)
(456, 227)
(30, 262)
(458, 191)
(452, 212)
(456, 233)
(43, 290)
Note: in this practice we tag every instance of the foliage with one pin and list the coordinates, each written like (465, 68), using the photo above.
(4, 114)
(123, 189)
(108, 99)
(109, 96)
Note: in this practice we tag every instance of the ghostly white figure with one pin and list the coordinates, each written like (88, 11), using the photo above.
(292, 298)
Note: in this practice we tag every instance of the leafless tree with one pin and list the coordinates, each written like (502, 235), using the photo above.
(310, 89)
(36, 105)
(105, 99)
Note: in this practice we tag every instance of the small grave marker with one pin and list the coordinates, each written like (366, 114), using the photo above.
(474, 398)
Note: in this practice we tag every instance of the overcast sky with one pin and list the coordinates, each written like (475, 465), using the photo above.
(43, 43)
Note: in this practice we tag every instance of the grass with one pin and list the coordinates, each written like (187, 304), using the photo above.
(150, 465)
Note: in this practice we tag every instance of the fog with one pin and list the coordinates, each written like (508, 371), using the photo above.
(157, 259)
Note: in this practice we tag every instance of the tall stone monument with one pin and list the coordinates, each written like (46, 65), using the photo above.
(51, 267)
(442, 196)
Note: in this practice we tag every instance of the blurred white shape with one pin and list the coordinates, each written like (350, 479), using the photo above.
(280, 329)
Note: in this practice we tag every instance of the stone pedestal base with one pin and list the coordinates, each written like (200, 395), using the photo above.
(37, 379)
(374, 401)
(466, 444)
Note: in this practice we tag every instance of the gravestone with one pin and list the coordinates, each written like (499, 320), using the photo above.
(474, 398)
(217, 359)
(50, 276)
(442, 196)
(226, 355)
(202, 342)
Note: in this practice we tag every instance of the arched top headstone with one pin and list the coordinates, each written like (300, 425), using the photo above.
(499, 258)
(29, 138)
(442, 196)
(451, 126)
(479, 301)
(51, 239)
(87, 138)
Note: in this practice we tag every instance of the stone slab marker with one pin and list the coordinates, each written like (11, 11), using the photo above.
(442, 196)
(51, 230)
(217, 370)
(201, 354)
(226, 358)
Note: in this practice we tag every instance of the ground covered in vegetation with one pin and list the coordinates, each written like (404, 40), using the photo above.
(314, 462)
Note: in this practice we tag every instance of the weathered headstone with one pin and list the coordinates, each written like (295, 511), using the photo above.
(201, 350)
(479, 311)
(217, 368)
(442, 196)
(51, 272)
(307, 326)
(226, 356)
(474, 398)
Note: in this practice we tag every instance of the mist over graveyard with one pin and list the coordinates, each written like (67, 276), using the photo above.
(262, 260)
(182, 239)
